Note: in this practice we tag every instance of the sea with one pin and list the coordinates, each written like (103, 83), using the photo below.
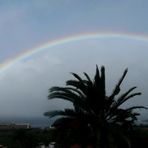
(35, 122)
(45, 122)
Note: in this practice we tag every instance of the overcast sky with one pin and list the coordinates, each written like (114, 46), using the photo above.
(25, 25)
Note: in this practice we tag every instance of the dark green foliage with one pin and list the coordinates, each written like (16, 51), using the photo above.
(139, 138)
(26, 138)
(102, 115)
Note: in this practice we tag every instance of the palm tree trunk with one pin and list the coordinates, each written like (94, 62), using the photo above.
(101, 137)
(97, 138)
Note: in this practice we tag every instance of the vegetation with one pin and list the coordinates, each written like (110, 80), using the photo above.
(95, 119)
(25, 138)
(33, 137)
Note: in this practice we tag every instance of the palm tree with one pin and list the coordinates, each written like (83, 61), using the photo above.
(101, 114)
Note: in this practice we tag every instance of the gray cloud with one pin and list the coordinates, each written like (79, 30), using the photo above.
(27, 24)
(24, 86)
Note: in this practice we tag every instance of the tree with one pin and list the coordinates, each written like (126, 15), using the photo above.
(102, 115)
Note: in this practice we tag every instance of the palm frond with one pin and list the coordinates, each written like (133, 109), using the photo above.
(77, 77)
(62, 95)
(67, 90)
(97, 78)
(122, 100)
(136, 107)
(66, 112)
(76, 84)
(89, 81)
(103, 82)
(126, 93)
(69, 97)
(97, 93)
(117, 88)
(54, 113)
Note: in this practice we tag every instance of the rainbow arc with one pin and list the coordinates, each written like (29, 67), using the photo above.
(75, 38)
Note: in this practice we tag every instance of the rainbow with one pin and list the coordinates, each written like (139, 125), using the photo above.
(74, 38)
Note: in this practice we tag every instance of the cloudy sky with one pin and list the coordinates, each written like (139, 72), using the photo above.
(26, 25)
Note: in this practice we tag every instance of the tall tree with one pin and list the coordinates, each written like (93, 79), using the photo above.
(102, 115)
